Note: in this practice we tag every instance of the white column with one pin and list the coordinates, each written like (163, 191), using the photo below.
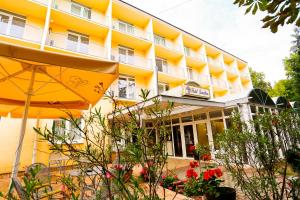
(108, 39)
(47, 23)
(210, 137)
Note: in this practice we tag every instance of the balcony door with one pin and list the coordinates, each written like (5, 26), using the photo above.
(126, 27)
(161, 64)
(78, 42)
(126, 87)
(126, 55)
(80, 10)
(12, 25)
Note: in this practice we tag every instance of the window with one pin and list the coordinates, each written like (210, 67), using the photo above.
(187, 119)
(161, 64)
(80, 10)
(159, 40)
(187, 51)
(215, 114)
(68, 131)
(78, 42)
(190, 73)
(126, 27)
(126, 87)
(126, 55)
(12, 25)
(201, 116)
(162, 87)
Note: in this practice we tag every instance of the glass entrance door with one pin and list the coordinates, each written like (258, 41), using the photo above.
(177, 140)
(189, 139)
(202, 134)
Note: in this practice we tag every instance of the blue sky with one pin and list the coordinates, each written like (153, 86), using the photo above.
(225, 25)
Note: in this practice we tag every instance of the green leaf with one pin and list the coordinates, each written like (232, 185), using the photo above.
(254, 9)
(248, 9)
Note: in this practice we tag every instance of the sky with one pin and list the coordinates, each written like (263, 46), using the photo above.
(225, 25)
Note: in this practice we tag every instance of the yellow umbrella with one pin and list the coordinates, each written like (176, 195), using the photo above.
(41, 84)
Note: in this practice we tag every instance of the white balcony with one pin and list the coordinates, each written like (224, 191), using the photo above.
(218, 84)
(134, 60)
(195, 56)
(27, 32)
(44, 2)
(245, 75)
(171, 70)
(129, 93)
(215, 65)
(201, 79)
(90, 48)
(234, 89)
(132, 30)
(84, 13)
(166, 43)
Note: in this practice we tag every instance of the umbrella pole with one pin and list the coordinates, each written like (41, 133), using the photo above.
(23, 129)
(35, 142)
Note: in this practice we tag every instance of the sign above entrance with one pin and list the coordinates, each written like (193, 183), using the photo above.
(195, 91)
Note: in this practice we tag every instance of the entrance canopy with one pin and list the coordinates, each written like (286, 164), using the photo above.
(281, 102)
(259, 96)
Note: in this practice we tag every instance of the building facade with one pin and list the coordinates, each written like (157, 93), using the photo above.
(152, 53)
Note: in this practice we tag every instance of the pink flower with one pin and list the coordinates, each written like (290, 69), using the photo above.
(118, 167)
(175, 177)
(170, 188)
(108, 175)
(163, 177)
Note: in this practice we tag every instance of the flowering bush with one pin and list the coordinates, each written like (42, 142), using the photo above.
(206, 157)
(210, 182)
(168, 182)
(191, 173)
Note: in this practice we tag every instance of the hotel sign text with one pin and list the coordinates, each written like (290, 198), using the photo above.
(195, 91)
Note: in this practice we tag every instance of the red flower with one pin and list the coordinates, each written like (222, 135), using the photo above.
(206, 157)
(206, 176)
(192, 148)
(144, 171)
(175, 177)
(194, 164)
(218, 172)
(211, 172)
(190, 173)
(170, 188)
(163, 177)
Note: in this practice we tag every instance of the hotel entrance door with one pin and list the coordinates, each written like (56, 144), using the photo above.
(189, 139)
(177, 140)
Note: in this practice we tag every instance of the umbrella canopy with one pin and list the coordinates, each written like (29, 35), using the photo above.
(60, 82)
(41, 84)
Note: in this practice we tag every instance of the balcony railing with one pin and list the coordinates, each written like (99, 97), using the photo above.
(219, 83)
(172, 70)
(44, 2)
(199, 78)
(195, 55)
(245, 74)
(126, 93)
(28, 32)
(234, 89)
(60, 40)
(134, 31)
(65, 6)
(131, 60)
(168, 44)
(214, 62)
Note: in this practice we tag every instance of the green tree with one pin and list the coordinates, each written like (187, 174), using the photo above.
(284, 88)
(258, 80)
(278, 12)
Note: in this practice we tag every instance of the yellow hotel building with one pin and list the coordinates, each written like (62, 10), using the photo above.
(152, 53)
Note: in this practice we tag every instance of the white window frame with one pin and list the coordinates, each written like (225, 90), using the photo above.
(129, 28)
(11, 17)
(159, 40)
(164, 64)
(68, 129)
(126, 58)
(79, 42)
(82, 8)
(165, 87)
(128, 79)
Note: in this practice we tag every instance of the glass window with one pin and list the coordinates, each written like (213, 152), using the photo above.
(126, 55)
(67, 130)
(78, 43)
(253, 108)
(126, 87)
(201, 116)
(187, 119)
(217, 127)
(80, 10)
(228, 111)
(126, 27)
(159, 40)
(215, 114)
(202, 134)
(161, 64)
(175, 121)
(162, 87)
(261, 110)
(12, 25)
